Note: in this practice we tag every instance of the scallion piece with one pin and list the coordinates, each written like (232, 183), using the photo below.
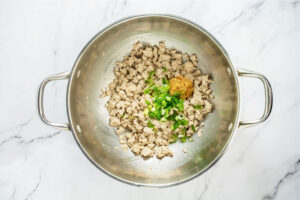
(174, 126)
(197, 107)
(150, 125)
(146, 111)
(183, 139)
(165, 81)
(147, 91)
(147, 102)
(174, 138)
(151, 73)
(193, 128)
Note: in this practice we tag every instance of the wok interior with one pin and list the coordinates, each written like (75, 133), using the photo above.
(93, 71)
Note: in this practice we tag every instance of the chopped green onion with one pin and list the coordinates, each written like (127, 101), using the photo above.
(197, 107)
(176, 94)
(178, 117)
(183, 139)
(165, 81)
(132, 117)
(151, 115)
(172, 117)
(150, 125)
(174, 126)
(165, 69)
(155, 90)
(193, 128)
(164, 89)
(163, 119)
(167, 110)
(183, 122)
(179, 105)
(146, 111)
(164, 103)
(149, 80)
(147, 102)
(151, 73)
(174, 138)
(147, 91)
(191, 139)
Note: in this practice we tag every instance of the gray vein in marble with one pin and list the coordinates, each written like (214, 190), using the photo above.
(35, 188)
(22, 141)
(281, 181)
(106, 9)
(13, 194)
(203, 192)
(206, 184)
(104, 17)
(258, 4)
(41, 138)
(19, 126)
(254, 7)
(9, 139)
(121, 8)
(295, 3)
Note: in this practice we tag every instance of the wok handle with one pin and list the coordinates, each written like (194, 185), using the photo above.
(268, 97)
(60, 76)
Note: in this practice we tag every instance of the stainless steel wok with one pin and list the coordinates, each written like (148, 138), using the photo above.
(93, 70)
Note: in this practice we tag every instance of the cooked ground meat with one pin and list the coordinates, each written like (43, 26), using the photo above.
(128, 100)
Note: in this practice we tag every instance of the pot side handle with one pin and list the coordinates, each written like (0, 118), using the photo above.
(268, 97)
(60, 76)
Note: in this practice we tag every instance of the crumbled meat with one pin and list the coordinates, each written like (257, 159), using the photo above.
(127, 98)
(147, 152)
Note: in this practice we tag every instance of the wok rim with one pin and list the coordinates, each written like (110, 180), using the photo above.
(233, 129)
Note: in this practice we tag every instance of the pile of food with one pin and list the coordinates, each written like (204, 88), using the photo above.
(158, 97)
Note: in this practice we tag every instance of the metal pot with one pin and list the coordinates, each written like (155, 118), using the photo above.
(93, 70)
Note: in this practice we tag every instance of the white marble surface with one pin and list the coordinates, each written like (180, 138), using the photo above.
(40, 38)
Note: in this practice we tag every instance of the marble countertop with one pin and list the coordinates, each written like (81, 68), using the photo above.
(41, 38)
